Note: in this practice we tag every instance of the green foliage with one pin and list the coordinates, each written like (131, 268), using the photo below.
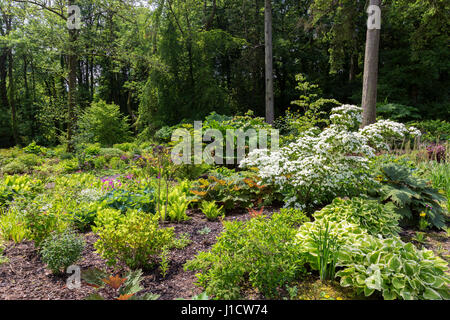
(83, 216)
(121, 199)
(12, 225)
(133, 239)
(395, 269)
(103, 123)
(410, 195)
(126, 288)
(312, 250)
(33, 148)
(15, 167)
(328, 247)
(397, 112)
(371, 215)
(211, 210)
(69, 165)
(99, 163)
(258, 253)
(234, 189)
(439, 175)
(42, 224)
(177, 206)
(433, 130)
(313, 110)
(60, 251)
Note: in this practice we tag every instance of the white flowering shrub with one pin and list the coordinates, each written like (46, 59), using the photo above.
(348, 116)
(317, 167)
(322, 165)
(384, 133)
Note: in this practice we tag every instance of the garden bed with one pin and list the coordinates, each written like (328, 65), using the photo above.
(25, 276)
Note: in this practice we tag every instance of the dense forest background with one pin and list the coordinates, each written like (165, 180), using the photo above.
(165, 61)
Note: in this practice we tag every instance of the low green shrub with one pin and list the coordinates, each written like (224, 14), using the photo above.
(259, 253)
(371, 215)
(103, 123)
(133, 239)
(109, 153)
(69, 165)
(116, 163)
(100, 162)
(60, 251)
(30, 160)
(15, 167)
(42, 224)
(433, 130)
(177, 206)
(34, 148)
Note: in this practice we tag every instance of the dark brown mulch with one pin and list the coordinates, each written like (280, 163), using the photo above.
(25, 276)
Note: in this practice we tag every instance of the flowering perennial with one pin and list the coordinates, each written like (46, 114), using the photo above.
(323, 165)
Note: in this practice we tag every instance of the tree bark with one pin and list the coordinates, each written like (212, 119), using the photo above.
(369, 94)
(72, 86)
(269, 61)
(11, 89)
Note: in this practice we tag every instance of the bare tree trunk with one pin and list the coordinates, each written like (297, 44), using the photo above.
(11, 89)
(369, 94)
(269, 61)
(71, 97)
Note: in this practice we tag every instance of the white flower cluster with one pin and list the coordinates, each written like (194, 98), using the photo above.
(89, 195)
(316, 166)
(347, 115)
(321, 165)
(384, 131)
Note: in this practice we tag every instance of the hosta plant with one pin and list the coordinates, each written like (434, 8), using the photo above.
(396, 269)
(371, 215)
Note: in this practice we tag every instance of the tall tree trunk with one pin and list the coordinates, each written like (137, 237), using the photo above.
(71, 99)
(369, 94)
(11, 88)
(3, 75)
(269, 61)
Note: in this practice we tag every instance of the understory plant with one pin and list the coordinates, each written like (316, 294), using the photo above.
(321, 165)
(393, 268)
(233, 189)
(338, 233)
(259, 254)
(12, 225)
(61, 250)
(211, 210)
(177, 206)
(371, 215)
(134, 239)
(126, 288)
(411, 195)
(328, 247)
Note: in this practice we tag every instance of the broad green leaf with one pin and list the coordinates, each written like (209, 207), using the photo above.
(431, 294)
